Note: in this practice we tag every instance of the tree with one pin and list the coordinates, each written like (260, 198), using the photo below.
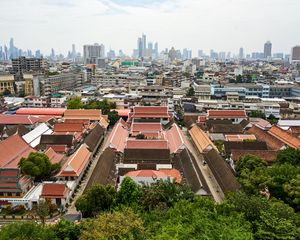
(257, 114)
(140, 136)
(66, 230)
(199, 219)
(25, 231)
(129, 193)
(272, 119)
(289, 155)
(191, 92)
(98, 198)
(117, 225)
(43, 210)
(6, 92)
(113, 117)
(38, 166)
(292, 188)
(74, 103)
(164, 194)
(249, 162)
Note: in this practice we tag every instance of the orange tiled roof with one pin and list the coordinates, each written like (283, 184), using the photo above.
(41, 111)
(285, 137)
(240, 137)
(201, 140)
(173, 173)
(76, 162)
(118, 137)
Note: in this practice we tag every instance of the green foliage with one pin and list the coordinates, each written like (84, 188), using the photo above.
(220, 146)
(272, 119)
(191, 92)
(292, 188)
(199, 219)
(164, 194)
(25, 231)
(113, 117)
(6, 92)
(269, 219)
(249, 162)
(140, 136)
(98, 198)
(74, 103)
(257, 114)
(66, 230)
(116, 225)
(38, 166)
(129, 193)
(289, 155)
(43, 210)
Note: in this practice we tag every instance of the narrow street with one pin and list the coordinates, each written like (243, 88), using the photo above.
(72, 208)
(213, 185)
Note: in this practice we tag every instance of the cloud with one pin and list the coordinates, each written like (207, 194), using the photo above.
(138, 3)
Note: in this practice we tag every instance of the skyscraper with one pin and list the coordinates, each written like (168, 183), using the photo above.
(267, 50)
(200, 53)
(73, 51)
(241, 53)
(140, 47)
(295, 54)
(144, 43)
(156, 50)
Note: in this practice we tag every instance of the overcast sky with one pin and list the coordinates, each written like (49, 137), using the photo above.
(222, 25)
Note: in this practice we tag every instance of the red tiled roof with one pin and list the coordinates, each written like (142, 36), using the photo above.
(175, 138)
(53, 156)
(118, 137)
(12, 150)
(226, 114)
(41, 111)
(285, 137)
(68, 127)
(147, 144)
(54, 190)
(122, 112)
(58, 148)
(22, 119)
(148, 112)
(261, 135)
(150, 109)
(267, 155)
(147, 127)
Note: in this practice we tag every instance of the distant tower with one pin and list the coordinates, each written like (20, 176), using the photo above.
(267, 50)
(140, 47)
(241, 53)
(73, 51)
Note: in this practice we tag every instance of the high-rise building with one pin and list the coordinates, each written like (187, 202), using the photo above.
(73, 51)
(93, 52)
(200, 53)
(52, 54)
(23, 65)
(268, 50)
(172, 54)
(295, 54)
(156, 50)
(144, 42)
(241, 53)
(140, 47)
(38, 54)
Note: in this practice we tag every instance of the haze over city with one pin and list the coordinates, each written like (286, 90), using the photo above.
(222, 25)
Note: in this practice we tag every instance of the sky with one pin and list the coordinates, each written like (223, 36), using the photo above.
(222, 25)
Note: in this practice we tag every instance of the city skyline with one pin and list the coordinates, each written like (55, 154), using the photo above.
(182, 24)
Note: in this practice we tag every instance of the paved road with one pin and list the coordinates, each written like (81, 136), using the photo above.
(213, 185)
